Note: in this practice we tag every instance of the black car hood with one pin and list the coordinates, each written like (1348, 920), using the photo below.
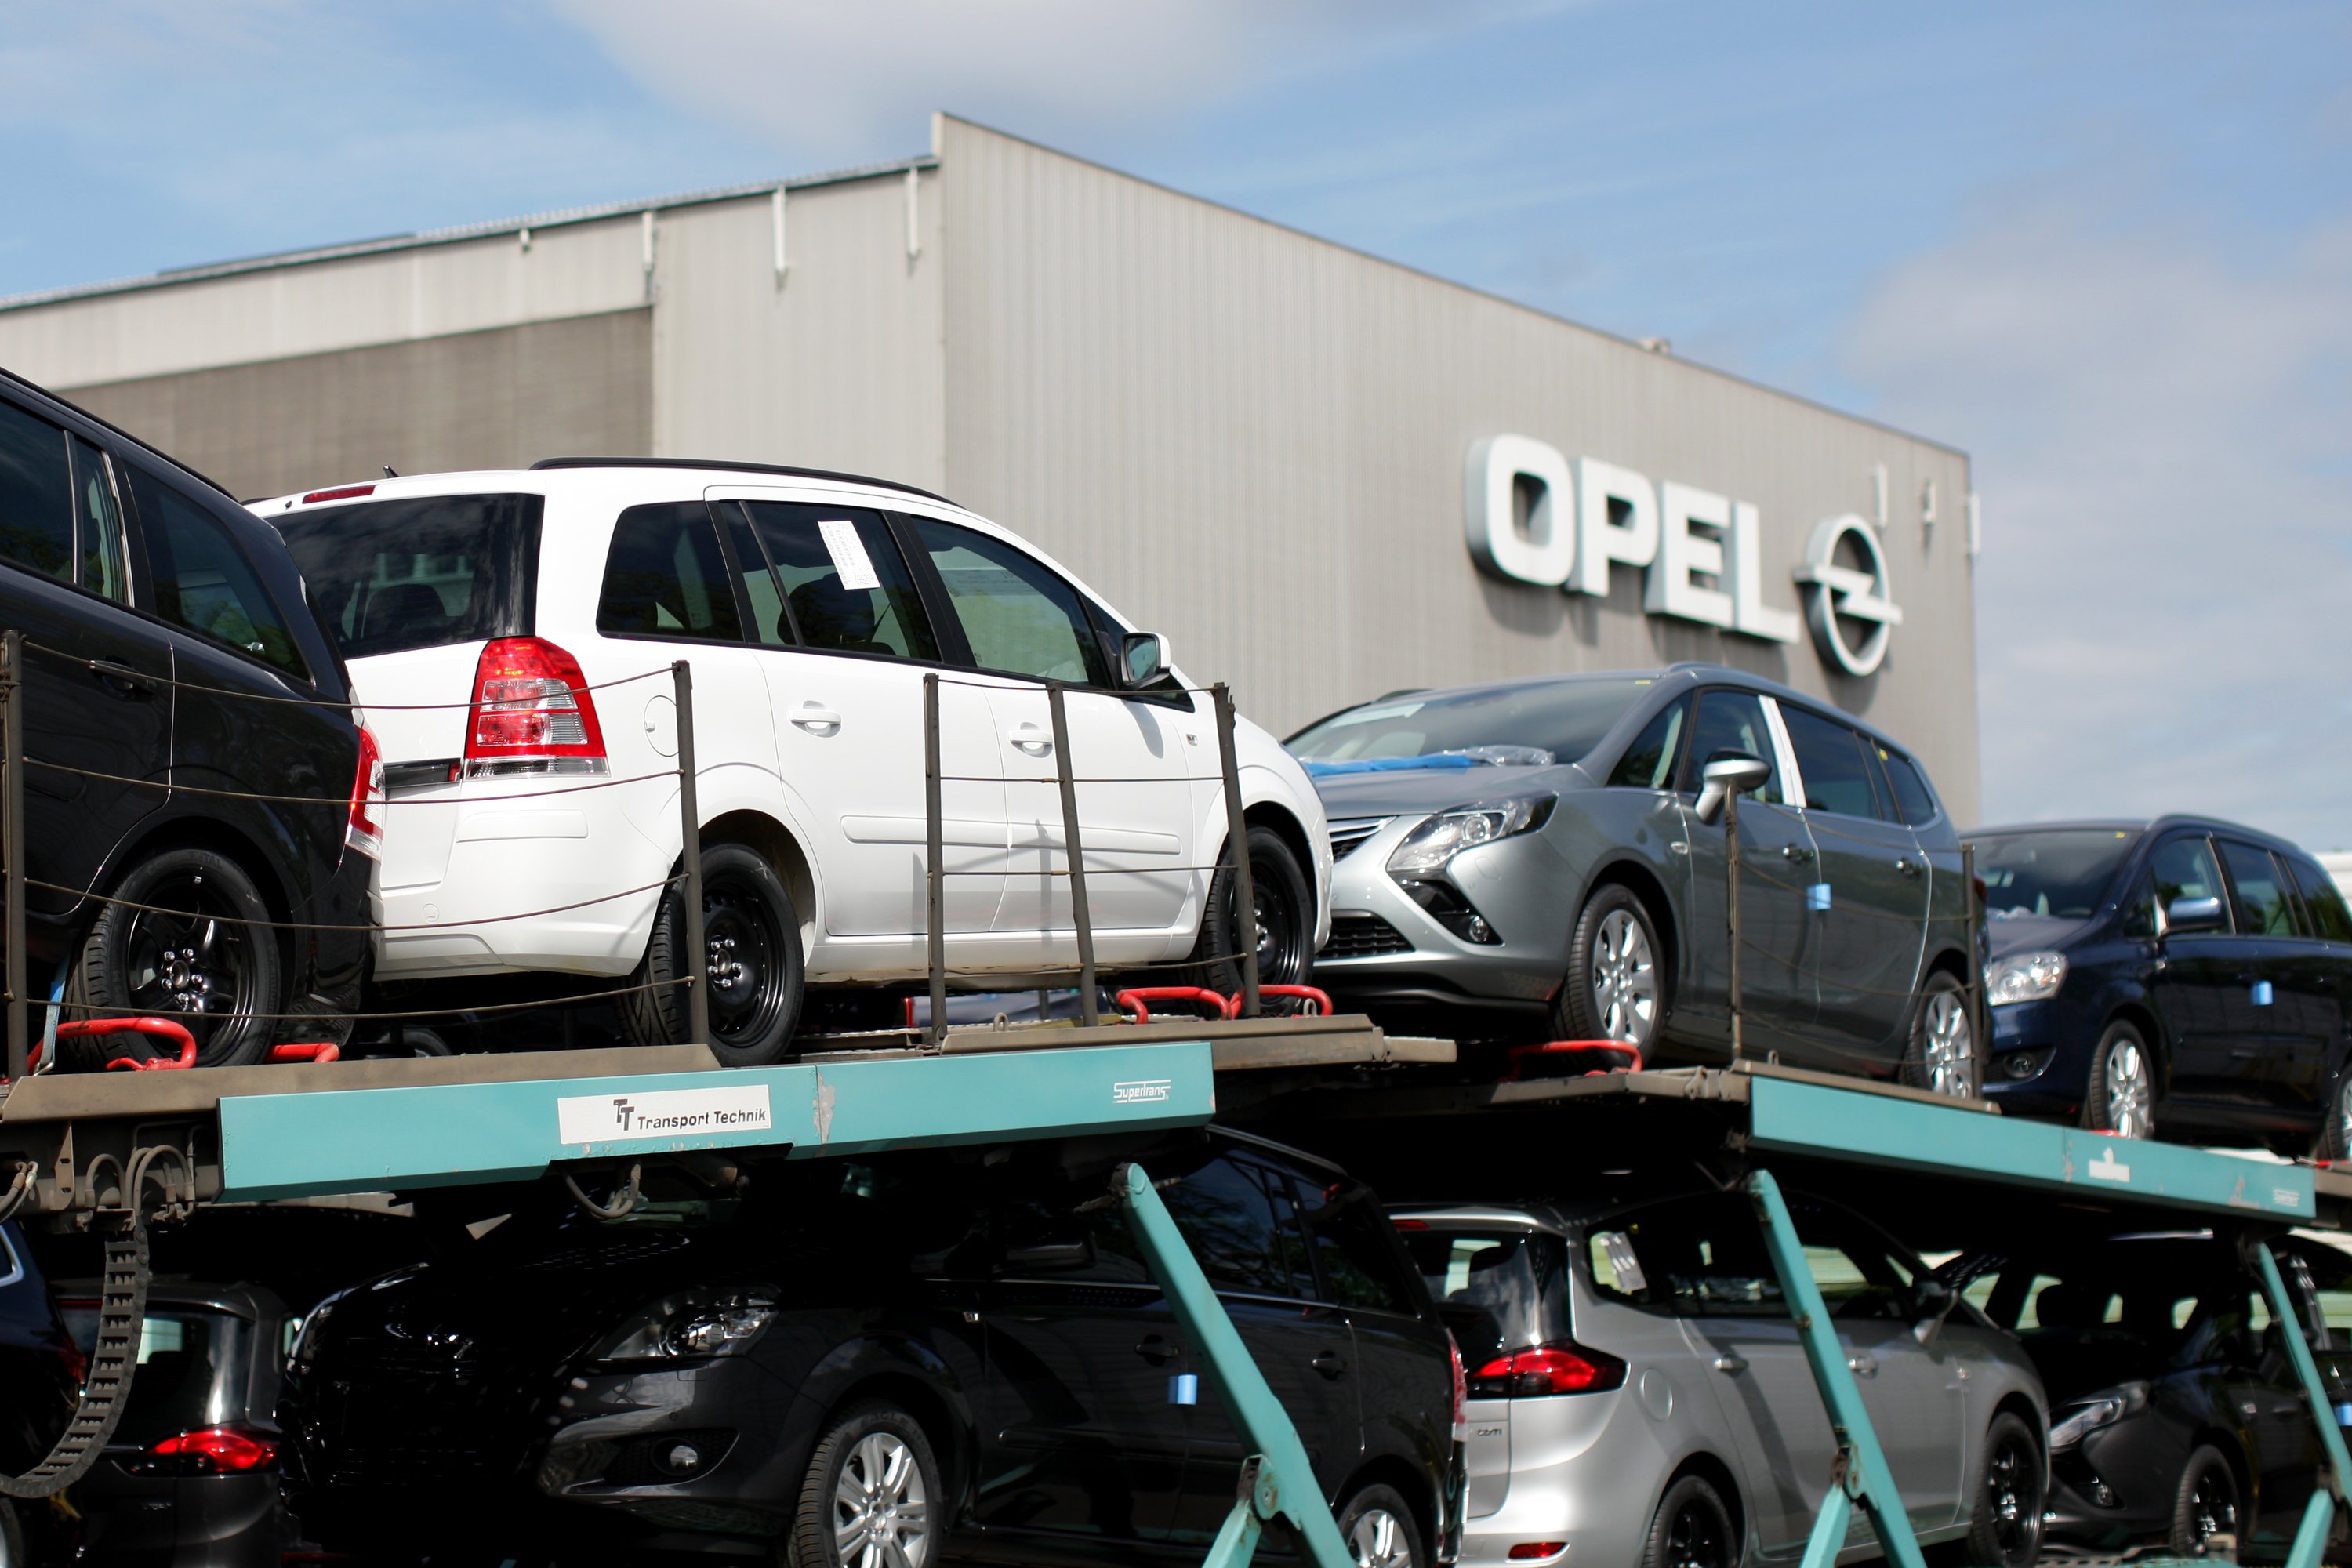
(2019, 933)
(1436, 789)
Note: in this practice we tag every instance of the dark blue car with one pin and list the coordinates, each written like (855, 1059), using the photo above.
(2185, 974)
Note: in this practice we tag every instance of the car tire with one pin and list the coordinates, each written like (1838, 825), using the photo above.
(872, 1477)
(2335, 1140)
(2005, 1505)
(1615, 988)
(2207, 1504)
(1377, 1526)
(225, 977)
(1691, 1529)
(753, 963)
(12, 1537)
(1286, 922)
(1943, 1055)
(2119, 1097)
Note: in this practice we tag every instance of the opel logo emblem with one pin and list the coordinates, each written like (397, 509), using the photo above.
(1849, 585)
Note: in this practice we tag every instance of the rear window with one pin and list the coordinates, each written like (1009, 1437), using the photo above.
(393, 576)
(193, 1368)
(1498, 1290)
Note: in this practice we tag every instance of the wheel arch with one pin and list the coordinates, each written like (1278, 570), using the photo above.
(1637, 877)
(1400, 1475)
(2135, 1012)
(932, 1410)
(223, 839)
(1711, 1469)
(2232, 1449)
(1286, 825)
(775, 844)
(2018, 1403)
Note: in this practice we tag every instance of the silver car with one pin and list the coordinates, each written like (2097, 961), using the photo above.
(1523, 859)
(1639, 1396)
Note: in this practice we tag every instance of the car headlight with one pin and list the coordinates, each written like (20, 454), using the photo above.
(1425, 851)
(2078, 1421)
(691, 1324)
(2024, 977)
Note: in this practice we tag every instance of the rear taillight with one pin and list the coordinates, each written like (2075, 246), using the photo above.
(1461, 1392)
(532, 712)
(1546, 1369)
(218, 1451)
(363, 831)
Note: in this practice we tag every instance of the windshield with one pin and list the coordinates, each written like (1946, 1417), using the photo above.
(1499, 1291)
(2064, 873)
(194, 1365)
(1561, 719)
(392, 575)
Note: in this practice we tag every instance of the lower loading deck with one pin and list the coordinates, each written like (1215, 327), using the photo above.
(93, 1148)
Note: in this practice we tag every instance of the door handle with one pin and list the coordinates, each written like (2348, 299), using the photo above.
(1730, 1364)
(1155, 1350)
(1795, 852)
(1907, 866)
(810, 716)
(1029, 739)
(1331, 1364)
(1862, 1365)
(122, 675)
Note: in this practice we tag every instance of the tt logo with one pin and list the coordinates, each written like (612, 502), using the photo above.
(622, 1112)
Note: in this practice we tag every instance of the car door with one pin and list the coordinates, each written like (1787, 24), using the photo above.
(98, 692)
(1870, 904)
(1023, 627)
(2330, 923)
(2206, 1010)
(1779, 943)
(1239, 1214)
(843, 642)
(2290, 986)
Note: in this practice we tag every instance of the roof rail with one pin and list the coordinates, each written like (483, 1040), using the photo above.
(737, 466)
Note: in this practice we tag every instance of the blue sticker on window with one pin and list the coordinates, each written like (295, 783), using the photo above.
(1184, 1388)
(2262, 992)
(1817, 897)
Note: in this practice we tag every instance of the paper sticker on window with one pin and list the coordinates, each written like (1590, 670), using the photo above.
(1618, 1248)
(849, 552)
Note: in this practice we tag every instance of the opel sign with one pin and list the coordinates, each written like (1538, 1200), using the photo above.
(1532, 515)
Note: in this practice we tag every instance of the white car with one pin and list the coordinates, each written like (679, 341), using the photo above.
(811, 606)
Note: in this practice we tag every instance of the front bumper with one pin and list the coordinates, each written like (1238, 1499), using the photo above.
(1520, 887)
(2040, 1064)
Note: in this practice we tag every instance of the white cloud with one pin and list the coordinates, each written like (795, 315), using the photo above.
(2163, 437)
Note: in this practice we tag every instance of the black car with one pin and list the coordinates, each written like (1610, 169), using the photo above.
(929, 1353)
(190, 1476)
(173, 667)
(2185, 975)
(2175, 1415)
(40, 1382)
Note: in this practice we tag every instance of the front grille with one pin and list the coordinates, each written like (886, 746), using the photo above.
(1349, 833)
(1363, 936)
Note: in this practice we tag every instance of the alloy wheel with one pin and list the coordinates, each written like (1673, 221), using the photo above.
(881, 1516)
(2130, 1095)
(187, 956)
(1379, 1538)
(2344, 1112)
(1625, 979)
(1696, 1540)
(1949, 1045)
(2016, 1502)
(2214, 1506)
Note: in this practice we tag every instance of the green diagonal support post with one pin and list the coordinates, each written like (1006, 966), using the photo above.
(2319, 1514)
(1278, 1480)
(1862, 1474)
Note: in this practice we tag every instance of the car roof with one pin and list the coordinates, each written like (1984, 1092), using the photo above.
(33, 389)
(2140, 824)
(563, 476)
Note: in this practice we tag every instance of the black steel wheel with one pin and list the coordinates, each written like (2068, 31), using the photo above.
(2205, 1511)
(1615, 988)
(1692, 1529)
(177, 945)
(1286, 922)
(2005, 1510)
(751, 962)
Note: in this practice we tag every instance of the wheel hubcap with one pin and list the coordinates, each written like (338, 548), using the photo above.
(1625, 979)
(184, 957)
(741, 963)
(880, 1510)
(2130, 1096)
(1949, 1047)
(1279, 938)
(1380, 1540)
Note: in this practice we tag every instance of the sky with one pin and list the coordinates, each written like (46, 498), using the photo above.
(2104, 246)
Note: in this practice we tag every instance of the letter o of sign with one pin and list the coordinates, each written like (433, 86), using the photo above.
(1843, 592)
(1546, 550)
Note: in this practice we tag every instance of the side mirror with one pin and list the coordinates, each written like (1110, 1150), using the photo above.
(1935, 1301)
(1142, 658)
(1049, 1256)
(2185, 915)
(1727, 773)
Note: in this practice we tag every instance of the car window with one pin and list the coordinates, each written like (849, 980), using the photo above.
(203, 580)
(1700, 1258)
(2263, 904)
(845, 586)
(1497, 1289)
(1730, 722)
(2056, 872)
(1912, 796)
(771, 624)
(1239, 1220)
(2185, 869)
(427, 572)
(2141, 917)
(36, 514)
(664, 576)
(2321, 897)
(98, 525)
(1356, 1247)
(193, 1366)
(1648, 762)
(1834, 764)
(1857, 1274)
(1018, 616)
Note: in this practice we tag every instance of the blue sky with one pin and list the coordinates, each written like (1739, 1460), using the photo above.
(2105, 247)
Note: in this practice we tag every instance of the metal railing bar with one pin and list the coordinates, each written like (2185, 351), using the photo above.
(350, 925)
(341, 799)
(93, 1007)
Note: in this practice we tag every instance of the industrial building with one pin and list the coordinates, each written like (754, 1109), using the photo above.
(1322, 474)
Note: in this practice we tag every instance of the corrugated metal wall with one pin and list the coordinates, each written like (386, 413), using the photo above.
(1254, 440)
